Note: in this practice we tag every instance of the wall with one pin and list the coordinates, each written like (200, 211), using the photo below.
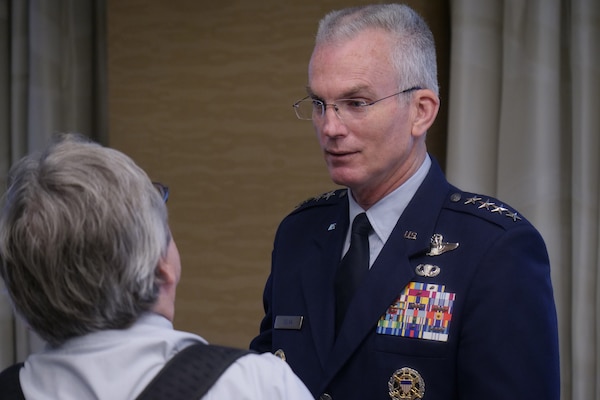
(200, 95)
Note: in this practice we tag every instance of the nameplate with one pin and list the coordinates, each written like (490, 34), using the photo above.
(288, 322)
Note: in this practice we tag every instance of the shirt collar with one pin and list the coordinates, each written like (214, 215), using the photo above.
(384, 214)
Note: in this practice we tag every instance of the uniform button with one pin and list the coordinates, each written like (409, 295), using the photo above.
(455, 197)
(325, 396)
(280, 353)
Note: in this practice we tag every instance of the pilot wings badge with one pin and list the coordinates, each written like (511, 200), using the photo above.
(438, 246)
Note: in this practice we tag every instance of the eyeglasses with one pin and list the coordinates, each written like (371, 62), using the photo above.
(310, 108)
(163, 190)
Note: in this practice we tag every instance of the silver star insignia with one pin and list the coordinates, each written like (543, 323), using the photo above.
(513, 215)
(472, 200)
(486, 204)
(499, 209)
(326, 196)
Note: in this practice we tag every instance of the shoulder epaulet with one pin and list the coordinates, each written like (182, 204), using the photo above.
(485, 207)
(322, 199)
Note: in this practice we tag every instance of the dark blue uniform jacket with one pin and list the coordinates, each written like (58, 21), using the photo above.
(492, 336)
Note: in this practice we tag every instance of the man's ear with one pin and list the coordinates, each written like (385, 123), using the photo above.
(427, 105)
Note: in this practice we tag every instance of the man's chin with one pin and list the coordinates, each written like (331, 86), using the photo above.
(342, 177)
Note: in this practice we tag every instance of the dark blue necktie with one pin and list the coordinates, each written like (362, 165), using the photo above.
(353, 266)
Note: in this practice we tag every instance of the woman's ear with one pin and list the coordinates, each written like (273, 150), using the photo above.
(165, 272)
(427, 105)
(167, 279)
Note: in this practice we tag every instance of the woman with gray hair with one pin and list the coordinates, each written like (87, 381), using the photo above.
(90, 264)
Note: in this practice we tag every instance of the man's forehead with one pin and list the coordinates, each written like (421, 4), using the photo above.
(342, 91)
(345, 81)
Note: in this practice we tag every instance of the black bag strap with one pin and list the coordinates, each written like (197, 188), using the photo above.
(191, 372)
(187, 376)
(10, 386)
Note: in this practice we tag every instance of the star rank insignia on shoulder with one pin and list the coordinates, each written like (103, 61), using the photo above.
(323, 198)
(489, 204)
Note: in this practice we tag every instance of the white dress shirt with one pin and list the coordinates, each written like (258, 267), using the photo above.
(384, 214)
(118, 364)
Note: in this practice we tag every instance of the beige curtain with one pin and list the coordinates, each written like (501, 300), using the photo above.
(52, 79)
(524, 111)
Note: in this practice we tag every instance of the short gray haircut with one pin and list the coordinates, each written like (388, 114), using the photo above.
(414, 56)
(82, 229)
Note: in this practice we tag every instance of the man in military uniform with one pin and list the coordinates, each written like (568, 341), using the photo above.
(430, 292)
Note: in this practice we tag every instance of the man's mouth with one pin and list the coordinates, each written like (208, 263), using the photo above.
(340, 153)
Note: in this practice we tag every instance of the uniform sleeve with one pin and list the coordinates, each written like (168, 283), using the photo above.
(259, 377)
(263, 342)
(509, 342)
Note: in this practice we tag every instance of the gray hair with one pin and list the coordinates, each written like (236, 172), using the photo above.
(82, 229)
(414, 56)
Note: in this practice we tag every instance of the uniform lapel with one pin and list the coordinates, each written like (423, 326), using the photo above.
(392, 270)
(388, 275)
(318, 278)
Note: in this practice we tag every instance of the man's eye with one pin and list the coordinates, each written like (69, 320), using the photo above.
(355, 103)
(317, 103)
